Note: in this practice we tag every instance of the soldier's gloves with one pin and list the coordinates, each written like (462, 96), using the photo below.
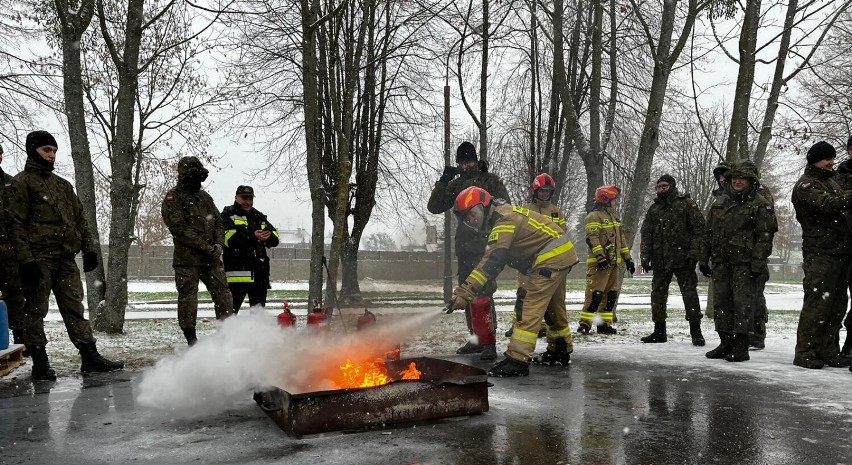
(31, 274)
(705, 270)
(603, 263)
(449, 173)
(461, 298)
(90, 261)
(630, 266)
(646, 265)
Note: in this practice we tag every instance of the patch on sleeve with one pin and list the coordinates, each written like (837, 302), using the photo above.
(492, 238)
(170, 197)
(806, 185)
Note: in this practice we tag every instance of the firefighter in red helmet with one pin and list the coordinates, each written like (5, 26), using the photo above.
(537, 247)
(608, 248)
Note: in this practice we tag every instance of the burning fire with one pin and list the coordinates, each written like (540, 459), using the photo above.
(370, 373)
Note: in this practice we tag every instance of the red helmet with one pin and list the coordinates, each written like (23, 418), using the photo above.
(606, 194)
(472, 206)
(543, 180)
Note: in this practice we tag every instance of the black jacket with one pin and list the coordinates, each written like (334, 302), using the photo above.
(245, 255)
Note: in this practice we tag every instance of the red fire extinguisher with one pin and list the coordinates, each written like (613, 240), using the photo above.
(317, 319)
(286, 318)
(481, 319)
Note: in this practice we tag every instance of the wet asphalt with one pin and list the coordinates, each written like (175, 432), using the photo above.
(593, 412)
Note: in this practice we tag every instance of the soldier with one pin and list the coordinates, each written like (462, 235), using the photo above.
(469, 245)
(672, 237)
(757, 336)
(608, 248)
(199, 236)
(844, 179)
(10, 281)
(47, 229)
(820, 204)
(247, 236)
(740, 228)
(534, 245)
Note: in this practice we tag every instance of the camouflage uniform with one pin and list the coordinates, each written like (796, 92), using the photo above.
(761, 312)
(10, 280)
(534, 245)
(196, 226)
(47, 226)
(844, 179)
(820, 205)
(672, 238)
(607, 242)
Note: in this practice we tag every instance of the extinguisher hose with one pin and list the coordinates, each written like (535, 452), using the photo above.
(333, 287)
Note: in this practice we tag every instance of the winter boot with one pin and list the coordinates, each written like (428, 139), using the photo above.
(606, 329)
(695, 333)
(808, 362)
(838, 362)
(95, 362)
(659, 334)
(552, 357)
(189, 334)
(509, 367)
(489, 352)
(470, 348)
(583, 329)
(755, 343)
(725, 346)
(41, 365)
(509, 332)
(846, 351)
(739, 352)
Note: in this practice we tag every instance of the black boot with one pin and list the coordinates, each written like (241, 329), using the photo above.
(95, 362)
(606, 329)
(189, 334)
(725, 346)
(551, 357)
(846, 351)
(41, 365)
(509, 367)
(659, 334)
(489, 352)
(739, 351)
(695, 333)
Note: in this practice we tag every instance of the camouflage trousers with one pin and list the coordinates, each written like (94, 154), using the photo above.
(186, 280)
(465, 266)
(62, 277)
(601, 294)
(687, 281)
(542, 296)
(10, 287)
(825, 283)
(761, 313)
(734, 292)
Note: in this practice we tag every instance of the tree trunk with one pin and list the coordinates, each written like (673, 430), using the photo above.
(737, 148)
(483, 86)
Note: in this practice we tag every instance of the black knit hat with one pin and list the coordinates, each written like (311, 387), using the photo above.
(669, 179)
(245, 190)
(820, 151)
(38, 139)
(465, 153)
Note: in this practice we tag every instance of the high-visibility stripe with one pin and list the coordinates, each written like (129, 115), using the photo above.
(477, 276)
(564, 248)
(239, 276)
(607, 317)
(275, 232)
(240, 223)
(504, 228)
(525, 337)
(593, 224)
(566, 333)
(543, 228)
(587, 315)
(560, 221)
(521, 210)
(262, 226)
(625, 250)
(597, 248)
(595, 260)
(228, 235)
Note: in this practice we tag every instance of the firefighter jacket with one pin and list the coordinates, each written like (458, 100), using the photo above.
(548, 209)
(195, 224)
(740, 228)
(44, 216)
(468, 243)
(523, 240)
(673, 232)
(820, 204)
(246, 260)
(604, 236)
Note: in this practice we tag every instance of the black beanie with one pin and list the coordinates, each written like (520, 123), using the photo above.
(820, 151)
(38, 139)
(669, 179)
(465, 153)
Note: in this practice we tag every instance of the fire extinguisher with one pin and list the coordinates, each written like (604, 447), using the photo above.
(286, 318)
(317, 319)
(481, 315)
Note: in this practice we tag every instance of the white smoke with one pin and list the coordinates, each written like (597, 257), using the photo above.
(251, 352)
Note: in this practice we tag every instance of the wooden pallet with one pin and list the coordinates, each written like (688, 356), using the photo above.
(11, 358)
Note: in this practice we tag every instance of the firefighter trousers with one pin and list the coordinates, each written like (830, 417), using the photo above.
(256, 294)
(543, 294)
(601, 294)
(186, 281)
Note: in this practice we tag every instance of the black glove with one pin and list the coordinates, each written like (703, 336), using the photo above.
(216, 252)
(449, 173)
(705, 270)
(603, 263)
(90, 261)
(630, 266)
(31, 274)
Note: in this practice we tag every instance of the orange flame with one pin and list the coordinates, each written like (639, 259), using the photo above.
(370, 373)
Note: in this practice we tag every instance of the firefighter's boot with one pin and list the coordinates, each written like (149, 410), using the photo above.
(606, 329)
(583, 329)
(695, 333)
(509, 367)
(41, 365)
(189, 334)
(739, 351)
(725, 346)
(659, 334)
(560, 355)
(489, 352)
(93, 362)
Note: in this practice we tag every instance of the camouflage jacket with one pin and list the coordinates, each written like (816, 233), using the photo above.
(546, 208)
(673, 232)
(821, 205)
(45, 216)
(605, 237)
(523, 240)
(468, 243)
(7, 254)
(195, 224)
(740, 228)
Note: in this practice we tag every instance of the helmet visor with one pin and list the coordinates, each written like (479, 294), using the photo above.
(544, 193)
(474, 218)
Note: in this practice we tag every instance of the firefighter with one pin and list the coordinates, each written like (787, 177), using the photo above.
(608, 248)
(10, 280)
(820, 204)
(672, 238)
(199, 237)
(248, 233)
(469, 245)
(47, 230)
(534, 245)
(740, 228)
